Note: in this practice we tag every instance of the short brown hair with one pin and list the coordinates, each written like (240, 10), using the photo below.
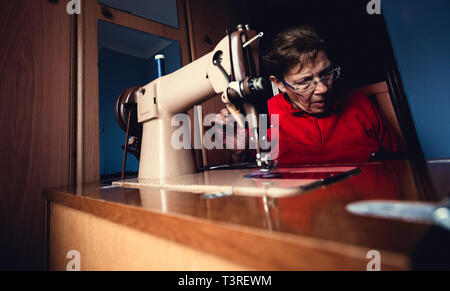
(299, 44)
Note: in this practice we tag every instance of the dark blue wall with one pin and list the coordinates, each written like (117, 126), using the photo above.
(420, 36)
(117, 72)
(172, 61)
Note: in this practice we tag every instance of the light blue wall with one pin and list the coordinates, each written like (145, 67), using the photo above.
(420, 36)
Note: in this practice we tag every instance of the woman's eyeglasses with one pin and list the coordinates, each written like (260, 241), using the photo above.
(326, 76)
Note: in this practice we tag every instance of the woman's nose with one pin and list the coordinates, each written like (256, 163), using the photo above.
(321, 88)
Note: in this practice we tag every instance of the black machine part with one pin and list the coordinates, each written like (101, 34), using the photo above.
(127, 101)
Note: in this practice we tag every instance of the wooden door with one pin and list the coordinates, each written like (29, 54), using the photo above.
(88, 157)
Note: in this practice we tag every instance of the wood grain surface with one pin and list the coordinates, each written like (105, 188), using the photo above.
(256, 249)
(34, 123)
(308, 231)
(105, 245)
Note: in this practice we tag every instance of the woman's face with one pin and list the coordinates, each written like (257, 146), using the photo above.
(314, 99)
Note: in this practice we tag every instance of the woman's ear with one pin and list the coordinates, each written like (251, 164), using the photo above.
(278, 83)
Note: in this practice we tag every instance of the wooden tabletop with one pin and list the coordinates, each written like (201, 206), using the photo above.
(310, 230)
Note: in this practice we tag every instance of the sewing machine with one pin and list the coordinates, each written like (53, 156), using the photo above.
(232, 70)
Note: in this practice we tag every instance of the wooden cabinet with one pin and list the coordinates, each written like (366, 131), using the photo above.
(35, 123)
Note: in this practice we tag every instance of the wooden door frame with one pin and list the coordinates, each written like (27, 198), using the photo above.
(88, 133)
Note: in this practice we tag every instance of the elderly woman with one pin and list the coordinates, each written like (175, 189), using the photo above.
(317, 125)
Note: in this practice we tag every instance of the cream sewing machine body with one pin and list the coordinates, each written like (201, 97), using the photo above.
(231, 69)
(167, 96)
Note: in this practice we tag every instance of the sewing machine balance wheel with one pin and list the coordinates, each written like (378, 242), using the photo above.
(125, 103)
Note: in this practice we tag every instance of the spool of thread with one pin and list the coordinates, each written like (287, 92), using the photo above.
(160, 65)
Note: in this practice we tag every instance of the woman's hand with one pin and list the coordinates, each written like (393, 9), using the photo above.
(235, 140)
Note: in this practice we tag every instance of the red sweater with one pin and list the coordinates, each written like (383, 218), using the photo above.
(349, 134)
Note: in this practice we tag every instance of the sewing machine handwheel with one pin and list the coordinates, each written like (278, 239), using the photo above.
(126, 102)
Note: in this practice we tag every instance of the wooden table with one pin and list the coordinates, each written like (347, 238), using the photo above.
(151, 228)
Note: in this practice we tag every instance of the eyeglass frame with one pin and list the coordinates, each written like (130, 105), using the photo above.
(336, 68)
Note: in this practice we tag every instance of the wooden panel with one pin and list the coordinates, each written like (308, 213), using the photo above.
(383, 99)
(122, 248)
(377, 88)
(384, 102)
(211, 19)
(91, 146)
(34, 119)
(256, 248)
(225, 15)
